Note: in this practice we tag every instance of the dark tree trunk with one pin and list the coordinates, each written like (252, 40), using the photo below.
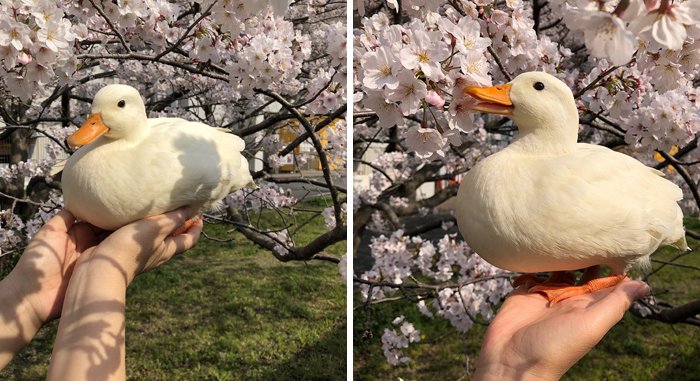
(20, 140)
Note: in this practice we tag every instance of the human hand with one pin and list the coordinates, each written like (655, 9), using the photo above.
(33, 293)
(146, 244)
(41, 275)
(93, 318)
(529, 340)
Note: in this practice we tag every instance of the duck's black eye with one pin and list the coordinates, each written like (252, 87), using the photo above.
(538, 86)
(121, 103)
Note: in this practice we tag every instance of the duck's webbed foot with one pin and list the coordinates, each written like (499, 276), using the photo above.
(557, 292)
(185, 226)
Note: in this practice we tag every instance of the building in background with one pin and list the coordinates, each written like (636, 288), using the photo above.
(304, 157)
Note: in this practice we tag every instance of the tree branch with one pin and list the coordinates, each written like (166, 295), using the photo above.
(111, 26)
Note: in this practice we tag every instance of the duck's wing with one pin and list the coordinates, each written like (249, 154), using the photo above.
(604, 201)
(208, 161)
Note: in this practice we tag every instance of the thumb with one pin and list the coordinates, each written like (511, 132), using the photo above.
(618, 301)
(168, 222)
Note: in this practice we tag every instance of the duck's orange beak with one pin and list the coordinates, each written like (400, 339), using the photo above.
(92, 129)
(494, 99)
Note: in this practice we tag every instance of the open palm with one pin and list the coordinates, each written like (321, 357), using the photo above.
(529, 337)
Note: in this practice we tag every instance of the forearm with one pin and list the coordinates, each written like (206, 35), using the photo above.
(499, 362)
(18, 321)
(501, 372)
(91, 335)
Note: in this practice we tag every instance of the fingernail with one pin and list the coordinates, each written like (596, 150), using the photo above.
(642, 290)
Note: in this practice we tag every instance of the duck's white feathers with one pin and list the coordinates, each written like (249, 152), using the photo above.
(177, 163)
(589, 206)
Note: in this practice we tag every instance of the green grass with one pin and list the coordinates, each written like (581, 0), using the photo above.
(635, 349)
(226, 311)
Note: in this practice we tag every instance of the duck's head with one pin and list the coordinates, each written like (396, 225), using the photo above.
(534, 100)
(117, 112)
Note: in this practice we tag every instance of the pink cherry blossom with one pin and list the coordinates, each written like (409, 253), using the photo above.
(424, 141)
(425, 51)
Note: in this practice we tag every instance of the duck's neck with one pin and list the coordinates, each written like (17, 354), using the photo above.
(137, 134)
(547, 137)
(132, 136)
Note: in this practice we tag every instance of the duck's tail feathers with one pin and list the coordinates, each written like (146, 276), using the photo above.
(681, 244)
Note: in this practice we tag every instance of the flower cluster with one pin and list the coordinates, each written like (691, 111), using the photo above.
(35, 45)
(479, 286)
(329, 216)
(268, 59)
(267, 195)
(394, 341)
(417, 71)
(632, 65)
(423, 66)
(614, 30)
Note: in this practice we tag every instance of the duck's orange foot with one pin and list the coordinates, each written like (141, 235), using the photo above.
(555, 293)
(528, 280)
(185, 226)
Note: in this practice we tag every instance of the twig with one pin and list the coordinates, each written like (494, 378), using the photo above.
(325, 167)
(184, 35)
(684, 174)
(23, 200)
(500, 65)
(376, 168)
(676, 264)
(111, 26)
(595, 81)
(431, 286)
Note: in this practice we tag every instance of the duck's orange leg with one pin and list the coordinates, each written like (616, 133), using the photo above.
(528, 280)
(557, 293)
(185, 226)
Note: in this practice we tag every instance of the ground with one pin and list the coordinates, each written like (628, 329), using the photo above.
(635, 349)
(226, 311)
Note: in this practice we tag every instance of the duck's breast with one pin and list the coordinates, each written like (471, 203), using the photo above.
(102, 184)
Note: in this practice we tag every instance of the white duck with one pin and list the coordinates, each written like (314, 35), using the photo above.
(132, 167)
(548, 203)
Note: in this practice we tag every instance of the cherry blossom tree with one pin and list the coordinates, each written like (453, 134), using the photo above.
(252, 67)
(632, 65)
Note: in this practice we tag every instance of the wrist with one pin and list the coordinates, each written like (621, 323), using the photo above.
(18, 322)
(106, 268)
(14, 293)
(93, 318)
(503, 371)
(95, 279)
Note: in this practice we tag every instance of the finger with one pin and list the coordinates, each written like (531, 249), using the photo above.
(97, 231)
(168, 222)
(613, 306)
(87, 235)
(62, 221)
(156, 228)
(187, 240)
(182, 242)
